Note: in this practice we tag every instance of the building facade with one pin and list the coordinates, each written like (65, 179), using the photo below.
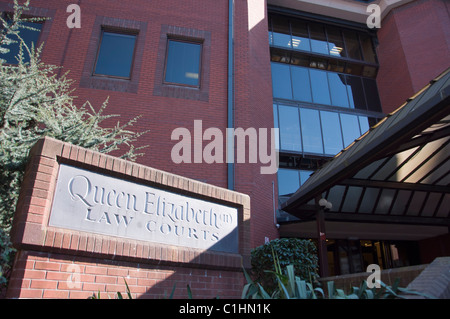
(313, 69)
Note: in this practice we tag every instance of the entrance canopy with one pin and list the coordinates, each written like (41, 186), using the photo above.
(398, 172)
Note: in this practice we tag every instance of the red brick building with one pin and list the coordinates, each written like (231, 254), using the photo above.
(240, 90)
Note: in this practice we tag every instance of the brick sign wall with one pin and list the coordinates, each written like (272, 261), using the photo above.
(86, 222)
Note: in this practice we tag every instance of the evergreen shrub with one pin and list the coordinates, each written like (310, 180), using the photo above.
(300, 253)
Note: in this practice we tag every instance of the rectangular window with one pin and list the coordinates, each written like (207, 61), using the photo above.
(319, 84)
(288, 181)
(331, 129)
(311, 131)
(352, 45)
(373, 100)
(338, 89)
(355, 92)
(318, 38)
(281, 81)
(350, 128)
(367, 47)
(289, 129)
(301, 84)
(281, 32)
(29, 36)
(300, 36)
(335, 42)
(115, 56)
(183, 63)
(364, 124)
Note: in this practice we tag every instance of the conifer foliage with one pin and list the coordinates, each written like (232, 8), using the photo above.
(35, 101)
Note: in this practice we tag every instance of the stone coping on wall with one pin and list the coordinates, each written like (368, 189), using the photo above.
(31, 228)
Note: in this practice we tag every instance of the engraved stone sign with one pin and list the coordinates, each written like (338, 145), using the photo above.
(93, 202)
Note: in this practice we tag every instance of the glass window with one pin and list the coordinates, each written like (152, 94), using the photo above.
(288, 181)
(352, 45)
(289, 128)
(281, 81)
(304, 175)
(350, 128)
(353, 68)
(281, 32)
(335, 42)
(373, 100)
(183, 63)
(367, 47)
(311, 132)
(338, 89)
(369, 71)
(319, 84)
(318, 38)
(115, 56)
(30, 37)
(355, 92)
(275, 120)
(336, 66)
(279, 55)
(364, 124)
(300, 84)
(300, 59)
(300, 36)
(318, 63)
(331, 128)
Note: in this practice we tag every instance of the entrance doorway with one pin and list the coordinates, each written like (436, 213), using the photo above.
(347, 256)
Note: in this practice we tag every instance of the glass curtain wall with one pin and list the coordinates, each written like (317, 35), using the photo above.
(324, 92)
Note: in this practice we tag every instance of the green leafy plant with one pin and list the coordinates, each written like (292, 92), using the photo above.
(300, 253)
(35, 101)
(290, 286)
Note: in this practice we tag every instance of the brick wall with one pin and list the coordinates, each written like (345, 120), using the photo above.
(254, 108)
(47, 255)
(414, 48)
(49, 275)
(164, 109)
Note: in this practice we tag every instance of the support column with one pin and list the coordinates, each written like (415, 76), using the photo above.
(321, 240)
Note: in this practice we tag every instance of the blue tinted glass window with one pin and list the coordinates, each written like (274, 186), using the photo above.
(30, 37)
(364, 124)
(319, 42)
(183, 63)
(281, 32)
(289, 128)
(311, 132)
(331, 129)
(300, 36)
(338, 89)
(275, 125)
(350, 128)
(115, 56)
(319, 84)
(301, 84)
(288, 181)
(281, 81)
(356, 92)
(335, 42)
(304, 175)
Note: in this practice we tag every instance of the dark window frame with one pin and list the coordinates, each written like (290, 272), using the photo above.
(325, 26)
(160, 88)
(116, 31)
(184, 40)
(108, 82)
(33, 12)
